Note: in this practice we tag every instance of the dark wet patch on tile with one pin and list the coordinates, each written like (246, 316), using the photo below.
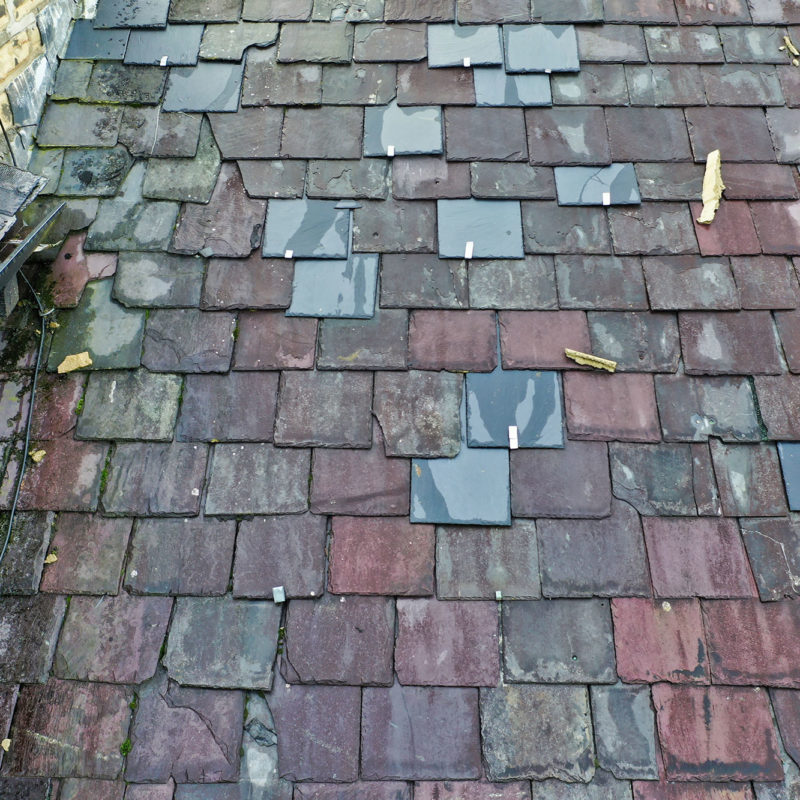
(449, 45)
(590, 186)
(494, 227)
(307, 229)
(88, 42)
(343, 289)
(210, 86)
(789, 453)
(527, 400)
(541, 48)
(176, 45)
(131, 14)
(473, 488)
(494, 87)
(410, 131)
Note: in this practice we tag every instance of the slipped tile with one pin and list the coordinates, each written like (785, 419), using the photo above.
(411, 131)
(592, 186)
(127, 222)
(131, 14)
(495, 87)
(162, 280)
(475, 563)
(530, 401)
(209, 86)
(749, 477)
(109, 332)
(534, 731)
(178, 44)
(113, 639)
(286, 551)
(339, 289)
(180, 556)
(212, 643)
(307, 228)
(789, 453)
(75, 536)
(274, 178)
(188, 180)
(69, 728)
(401, 733)
(473, 488)
(541, 48)
(184, 734)
(87, 42)
(449, 45)
(493, 226)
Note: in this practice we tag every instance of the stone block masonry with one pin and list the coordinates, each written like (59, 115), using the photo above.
(32, 33)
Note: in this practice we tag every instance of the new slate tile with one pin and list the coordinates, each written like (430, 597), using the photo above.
(472, 488)
(411, 131)
(541, 48)
(87, 42)
(132, 14)
(529, 401)
(494, 227)
(307, 228)
(209, 86)
(178, 44)
(494, 87)
(589, 186)
(449, 45)
(789, 453)
(342, 289)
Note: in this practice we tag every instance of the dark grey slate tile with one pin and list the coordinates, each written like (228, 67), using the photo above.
(358, 84)
(307, 229)
(494, 87)
(188, 180)
(145, 131)
(422, 281)
(203, 11)
(359, 11)
(410, 131)
(473, 488)
(429, 177)
(377, 343)
(79, 125)
(340, 289)
(147, 279)
(207, 87)
(268, 83)
(541, 48)
(110, 333)
(625, 731)
(366, 178)
(789, 453)
(72, 80)
(527, 400)
(449, 45)
(112, 82)
(273, 178)
(93, 171)
(87, 42)
(567, 10)
(381, 43)
(528, 284)
(494, 227)
(326, 42)
(395, 226)
(592, 186)
(126, 222)
(490, 179)
(178, 44)
(249, 133)
(559, 641)
(131, 14)
(228, 42)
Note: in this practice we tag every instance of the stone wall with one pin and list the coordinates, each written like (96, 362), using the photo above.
(32, 34)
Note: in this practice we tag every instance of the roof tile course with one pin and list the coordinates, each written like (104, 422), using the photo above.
(618, 616)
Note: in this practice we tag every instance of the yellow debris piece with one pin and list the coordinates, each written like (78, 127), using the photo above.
(37, 455)
(712, 187)
(588, 360)
(51, 559)
(75, 361)
(790, 46)
(5, 744)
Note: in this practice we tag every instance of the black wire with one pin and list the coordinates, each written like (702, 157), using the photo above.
(43, 315)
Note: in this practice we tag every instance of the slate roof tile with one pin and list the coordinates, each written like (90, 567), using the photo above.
(702, 321)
